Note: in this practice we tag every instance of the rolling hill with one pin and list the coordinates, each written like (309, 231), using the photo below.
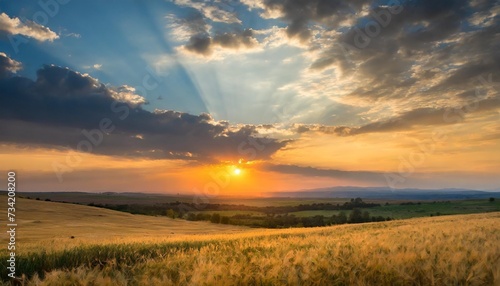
(53, 224)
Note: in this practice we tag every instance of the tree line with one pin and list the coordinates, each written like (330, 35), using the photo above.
(273, 216)
(284, 221)
(181, 208)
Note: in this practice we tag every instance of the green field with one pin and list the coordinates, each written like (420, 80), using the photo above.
(423, 209)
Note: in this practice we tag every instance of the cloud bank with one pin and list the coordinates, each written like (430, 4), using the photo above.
(62, 108)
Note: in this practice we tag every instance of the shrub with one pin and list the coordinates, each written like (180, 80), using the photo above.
(215, 218)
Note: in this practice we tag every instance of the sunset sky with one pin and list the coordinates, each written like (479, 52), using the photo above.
(252, 96)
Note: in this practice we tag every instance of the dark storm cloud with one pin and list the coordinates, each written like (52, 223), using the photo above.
(200, 44)
(406, 25)
(62, 108)
(472, 70)
(204, 44)
(335, 130)
(301, 13)
(398, 43)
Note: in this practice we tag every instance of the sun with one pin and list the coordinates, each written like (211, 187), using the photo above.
(237, 171)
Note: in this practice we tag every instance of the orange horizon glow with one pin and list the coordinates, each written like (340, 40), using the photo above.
(249, 178)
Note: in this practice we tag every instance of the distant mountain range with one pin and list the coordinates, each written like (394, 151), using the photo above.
(388, 193)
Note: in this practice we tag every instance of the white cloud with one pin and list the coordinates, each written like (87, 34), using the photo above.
(127, 94)
(74, 35)
(94, 66)
(30, 29)
(217, 11)
(267, 12)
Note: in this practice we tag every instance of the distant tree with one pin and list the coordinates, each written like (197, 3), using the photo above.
(318, 220)
(333, 220)
(270, 222)
(179, 214)
(215, 218)
(224, 220)
(366, 216)
(191, 216)
(342, 218)
(356, 216)
(492, 199)
(170, 213)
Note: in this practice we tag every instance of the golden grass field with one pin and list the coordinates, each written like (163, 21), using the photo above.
(109, 249)
(52, 225)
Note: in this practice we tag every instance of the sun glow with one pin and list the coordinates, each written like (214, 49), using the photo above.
(237, 171)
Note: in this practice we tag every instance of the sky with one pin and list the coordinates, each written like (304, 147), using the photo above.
(221, 97)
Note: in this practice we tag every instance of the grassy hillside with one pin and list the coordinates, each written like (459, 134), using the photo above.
(448, 250)
(53, 224)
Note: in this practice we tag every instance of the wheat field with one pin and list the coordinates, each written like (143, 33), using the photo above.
(54, 224)
(447, 250)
